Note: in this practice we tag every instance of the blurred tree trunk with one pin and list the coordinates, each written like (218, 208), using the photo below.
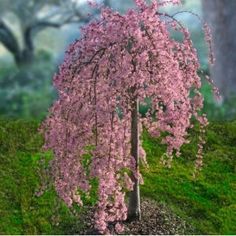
(221, 17)
(23, 55)
(28, 50)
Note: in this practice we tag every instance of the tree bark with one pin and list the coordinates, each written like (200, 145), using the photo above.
(28, 51)
(134, 211)
(10, 42)
(221, 17)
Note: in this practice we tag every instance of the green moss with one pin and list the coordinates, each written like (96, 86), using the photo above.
(208, 202)
(22, 168)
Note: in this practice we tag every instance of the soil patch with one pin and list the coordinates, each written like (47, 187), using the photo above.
(156, 220)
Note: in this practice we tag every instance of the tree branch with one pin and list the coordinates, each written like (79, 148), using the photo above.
(8, 39)
(42, 24)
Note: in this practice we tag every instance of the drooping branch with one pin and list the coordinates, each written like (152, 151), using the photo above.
(138, 69)
(94, 76)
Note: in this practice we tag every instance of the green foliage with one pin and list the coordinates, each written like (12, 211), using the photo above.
(207, 202)
(218, 111)
(27, 92)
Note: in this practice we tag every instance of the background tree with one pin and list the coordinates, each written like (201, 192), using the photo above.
(221, 17)
(32, 17)
(94, 127)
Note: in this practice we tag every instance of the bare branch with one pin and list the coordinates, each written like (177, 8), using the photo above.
(59, 18)
(7, 38)
(42, 24)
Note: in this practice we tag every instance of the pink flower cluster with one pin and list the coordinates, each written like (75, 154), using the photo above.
(120, 58)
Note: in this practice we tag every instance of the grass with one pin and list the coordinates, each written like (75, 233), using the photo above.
(21, 211)
(208, 202)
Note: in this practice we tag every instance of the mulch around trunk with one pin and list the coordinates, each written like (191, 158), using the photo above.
(156, 220)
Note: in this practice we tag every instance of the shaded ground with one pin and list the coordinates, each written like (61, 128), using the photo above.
(156, 219)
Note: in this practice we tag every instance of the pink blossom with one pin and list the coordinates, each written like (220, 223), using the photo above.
(119, 228)
(120, 58)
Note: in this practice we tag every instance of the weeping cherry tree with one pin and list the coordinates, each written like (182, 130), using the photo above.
(118, 62)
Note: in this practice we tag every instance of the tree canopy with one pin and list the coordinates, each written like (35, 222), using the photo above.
(32, 17)
(119, 61)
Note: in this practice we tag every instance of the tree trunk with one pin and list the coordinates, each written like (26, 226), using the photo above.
(24, 58)
(221, 17)
(134, 211)
(28, 51)
(10, 42)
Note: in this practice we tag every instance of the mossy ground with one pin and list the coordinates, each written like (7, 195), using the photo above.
(208, 202)
(21, 169)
